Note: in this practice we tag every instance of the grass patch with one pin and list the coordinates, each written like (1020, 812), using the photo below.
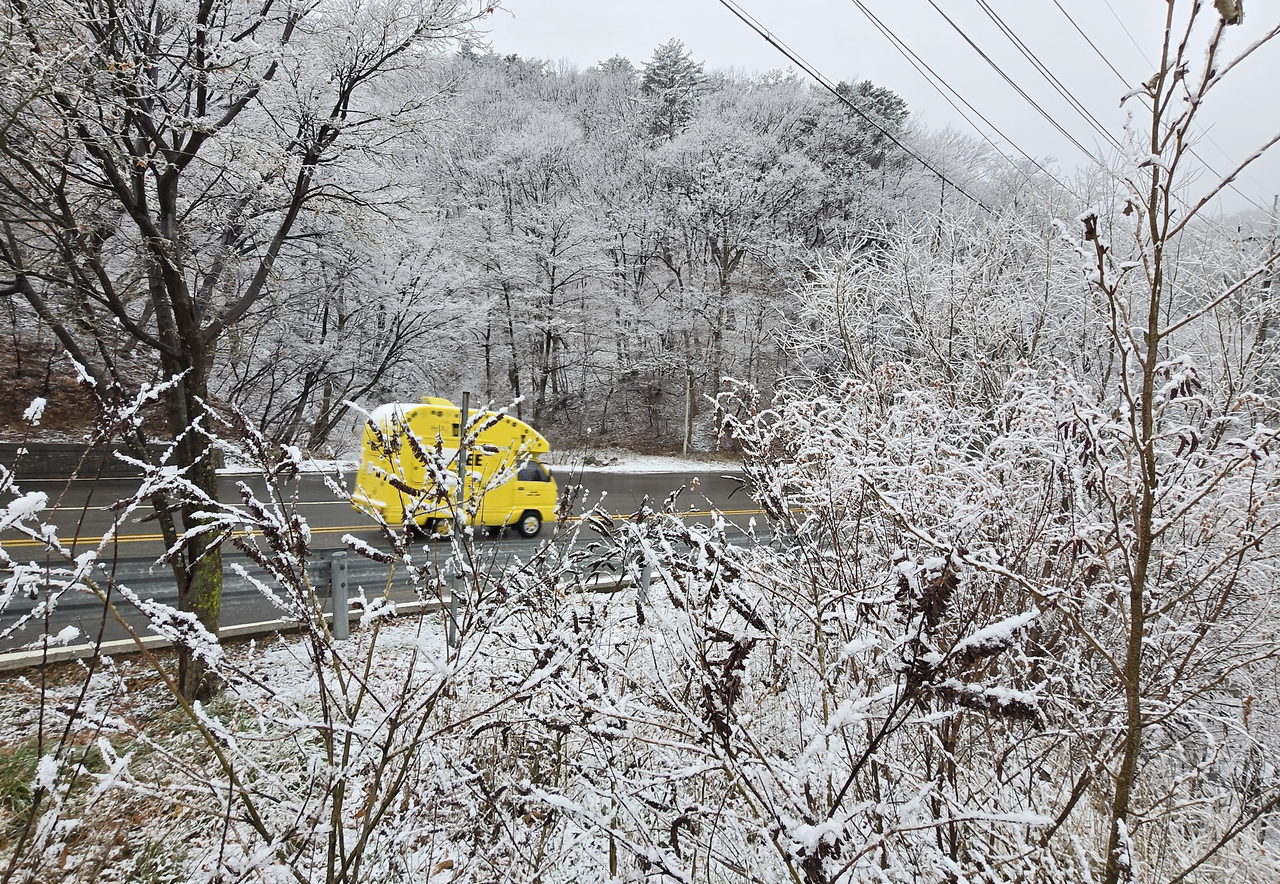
(17, 773)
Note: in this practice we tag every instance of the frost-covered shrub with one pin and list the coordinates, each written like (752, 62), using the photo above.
(1127, 528)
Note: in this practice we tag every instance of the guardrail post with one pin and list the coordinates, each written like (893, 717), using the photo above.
(451, 619)
(338, 592)
(645, 577)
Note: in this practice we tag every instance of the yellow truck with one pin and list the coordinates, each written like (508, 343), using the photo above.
(409, 468)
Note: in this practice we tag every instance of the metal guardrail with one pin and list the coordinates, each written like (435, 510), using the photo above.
(332, 578)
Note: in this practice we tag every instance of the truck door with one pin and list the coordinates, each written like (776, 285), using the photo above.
(535, 489)
(496, 503)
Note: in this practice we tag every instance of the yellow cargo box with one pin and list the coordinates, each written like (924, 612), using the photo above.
(409, 469)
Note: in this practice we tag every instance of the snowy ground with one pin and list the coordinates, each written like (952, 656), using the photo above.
(631, 462)
(309, 465)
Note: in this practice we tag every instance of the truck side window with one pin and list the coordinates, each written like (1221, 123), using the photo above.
(531, 471)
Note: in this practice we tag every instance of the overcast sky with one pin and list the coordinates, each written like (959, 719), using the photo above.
(836, 39)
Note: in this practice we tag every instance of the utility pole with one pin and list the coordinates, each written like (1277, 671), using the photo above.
(1270, 278)
(452, 639)
(462, 460)
(1271, 274)
(688, 411)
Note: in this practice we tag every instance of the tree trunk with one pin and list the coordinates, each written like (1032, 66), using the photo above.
(322, 426)
(513, 371)
(198, 567)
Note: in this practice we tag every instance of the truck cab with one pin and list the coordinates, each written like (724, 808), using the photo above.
(409, 468)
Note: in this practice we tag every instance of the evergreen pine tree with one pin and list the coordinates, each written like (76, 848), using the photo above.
(674, 81)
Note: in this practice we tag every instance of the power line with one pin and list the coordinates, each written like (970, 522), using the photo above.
(922, 66)
(1048, 75)
(1092, 45)
(1062, 89)
(1031, 101)
(1132, 39)
(1226, 156)
(1125, 82)
(795, 59)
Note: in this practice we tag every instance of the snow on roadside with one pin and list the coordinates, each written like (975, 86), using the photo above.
(306, 464)
(630, 462)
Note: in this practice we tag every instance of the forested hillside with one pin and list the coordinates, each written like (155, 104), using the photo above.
(606, 245)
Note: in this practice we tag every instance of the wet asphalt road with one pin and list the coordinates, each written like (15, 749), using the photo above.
(83, 512)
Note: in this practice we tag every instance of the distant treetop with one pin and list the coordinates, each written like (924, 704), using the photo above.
(883, 103)
(618, 65)
(674, 80)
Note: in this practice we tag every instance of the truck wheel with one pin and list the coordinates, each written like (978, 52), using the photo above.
(530, 524)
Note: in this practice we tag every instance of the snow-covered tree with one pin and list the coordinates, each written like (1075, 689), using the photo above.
(673, 81)
(155, 163)
(1086, 439)
(732, 198)
(351, 327)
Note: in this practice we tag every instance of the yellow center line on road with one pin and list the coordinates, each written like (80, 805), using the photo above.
(334, 529)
